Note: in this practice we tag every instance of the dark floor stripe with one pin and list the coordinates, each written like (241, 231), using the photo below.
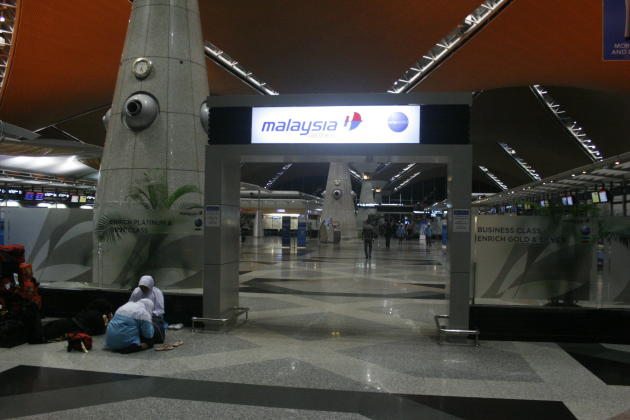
(77, 389)
(26, 379)
(611, 366)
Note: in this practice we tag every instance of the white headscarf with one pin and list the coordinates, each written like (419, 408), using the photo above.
(148, 304)
(153, 293)
(137, 310)
(148, 282)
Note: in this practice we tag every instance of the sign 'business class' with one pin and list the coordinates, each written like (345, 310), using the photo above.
(336, 124)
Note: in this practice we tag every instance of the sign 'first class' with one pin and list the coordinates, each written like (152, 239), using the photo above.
(336, 124)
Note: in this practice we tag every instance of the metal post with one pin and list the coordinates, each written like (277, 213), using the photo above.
(624, 201)
(612, 200)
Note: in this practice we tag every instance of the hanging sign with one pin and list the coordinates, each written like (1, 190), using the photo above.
(336, 124)
(616, 23)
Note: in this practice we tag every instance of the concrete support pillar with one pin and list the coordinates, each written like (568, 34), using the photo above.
(222, 234)
(367, 193)
(459, 190)
(160, 134)
(338, 202)
(259, 228)
(366, 197)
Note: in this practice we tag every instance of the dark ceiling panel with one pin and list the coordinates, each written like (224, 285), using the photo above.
(89, 127)
(516, 117)
(329, 45)
(259, 173)
(66, 55)
(65, 60)
(542, 42)
(605, 116)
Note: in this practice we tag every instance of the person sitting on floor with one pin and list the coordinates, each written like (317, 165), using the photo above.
(92, 320)
(131, 329)
(147, 290)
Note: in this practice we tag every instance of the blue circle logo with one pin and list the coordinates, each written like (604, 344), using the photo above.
(398, 122)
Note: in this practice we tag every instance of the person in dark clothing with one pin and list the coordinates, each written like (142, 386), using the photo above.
(369, 233)
(93, 320)
(389, 232)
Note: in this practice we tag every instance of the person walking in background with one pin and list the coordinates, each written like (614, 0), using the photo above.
(428, 234)
(368, 233)
(400, 233)
(389, 232)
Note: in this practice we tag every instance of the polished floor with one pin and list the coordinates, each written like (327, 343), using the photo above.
(331, 335)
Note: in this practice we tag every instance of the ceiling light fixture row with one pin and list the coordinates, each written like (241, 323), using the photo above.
(402, 172)
(355, 174)
(7, 23)
(614, 170)
(33, 178)
(445, 47)
(277, 176)
(520, 162)
(215, 54)
(493, 177)
(569, 124)
(406, 181)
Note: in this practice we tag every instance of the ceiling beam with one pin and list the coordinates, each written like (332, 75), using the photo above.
(445, 48)
(569, 125)
(233, 67)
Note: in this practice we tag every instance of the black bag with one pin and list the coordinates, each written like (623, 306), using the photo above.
(12, 333)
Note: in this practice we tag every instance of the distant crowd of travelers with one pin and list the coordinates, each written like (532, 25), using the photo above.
(402, 230)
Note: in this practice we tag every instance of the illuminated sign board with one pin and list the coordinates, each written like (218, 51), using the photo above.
(336, 124)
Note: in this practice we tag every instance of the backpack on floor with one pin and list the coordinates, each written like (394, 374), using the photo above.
(79, 341)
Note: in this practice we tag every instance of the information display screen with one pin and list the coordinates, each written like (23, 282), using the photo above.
(336, 124)
(603, 196)
(74, 199)
(595, 197)
(39, 196)
(29, 195)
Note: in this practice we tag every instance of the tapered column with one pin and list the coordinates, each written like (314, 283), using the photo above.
(155, 140)
(338, 202)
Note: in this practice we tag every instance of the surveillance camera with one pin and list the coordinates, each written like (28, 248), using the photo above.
(140, 110)
(106, 118)
(204, 116)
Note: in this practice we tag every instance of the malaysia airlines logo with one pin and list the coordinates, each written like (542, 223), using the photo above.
(354, 122)
(306, 127)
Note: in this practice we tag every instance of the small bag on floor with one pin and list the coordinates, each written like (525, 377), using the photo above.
(79, 341)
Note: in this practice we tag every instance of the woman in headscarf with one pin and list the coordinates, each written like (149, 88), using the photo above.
(131, 328)
(146, 290)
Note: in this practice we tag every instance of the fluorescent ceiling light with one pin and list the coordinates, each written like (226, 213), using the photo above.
(571, 126)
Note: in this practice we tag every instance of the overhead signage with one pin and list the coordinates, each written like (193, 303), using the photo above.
(336, 124)
(616, 23)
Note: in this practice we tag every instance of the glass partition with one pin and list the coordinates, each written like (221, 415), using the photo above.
(552, 259)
